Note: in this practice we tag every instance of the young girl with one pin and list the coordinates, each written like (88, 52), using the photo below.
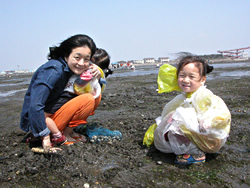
(72, 56)
(195, 122)
(102, 59)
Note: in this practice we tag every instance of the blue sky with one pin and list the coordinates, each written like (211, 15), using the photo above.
(128, 30)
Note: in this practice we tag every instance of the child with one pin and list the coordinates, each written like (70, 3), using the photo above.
(195, 122)
(102, 60)
(84, 83)
(77, 85)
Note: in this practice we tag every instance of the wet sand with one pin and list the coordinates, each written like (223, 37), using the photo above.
(130, 105)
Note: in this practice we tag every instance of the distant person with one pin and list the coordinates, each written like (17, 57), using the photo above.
(194, 122)
(72, 56)
(82, 84)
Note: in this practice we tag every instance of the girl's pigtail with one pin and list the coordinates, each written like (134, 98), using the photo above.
(108, 72)
(209, 68)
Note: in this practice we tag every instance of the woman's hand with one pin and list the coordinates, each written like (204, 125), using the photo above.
(95, 71)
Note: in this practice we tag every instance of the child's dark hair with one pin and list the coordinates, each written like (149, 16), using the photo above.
(199, 62)
(102, 59)
(69, 44)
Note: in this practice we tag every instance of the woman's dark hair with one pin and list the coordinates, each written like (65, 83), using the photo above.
(66, 47)
(102, 59)
(199, 62)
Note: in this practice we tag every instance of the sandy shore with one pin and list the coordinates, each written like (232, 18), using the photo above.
(130, 105)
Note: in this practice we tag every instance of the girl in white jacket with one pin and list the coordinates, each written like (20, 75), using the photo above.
(195, 122)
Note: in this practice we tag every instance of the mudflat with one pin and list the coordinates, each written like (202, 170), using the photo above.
(130, 105)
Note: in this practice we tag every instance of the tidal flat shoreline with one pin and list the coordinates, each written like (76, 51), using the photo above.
(129, 105)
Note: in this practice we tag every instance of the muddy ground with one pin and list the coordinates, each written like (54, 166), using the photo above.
(130, 105)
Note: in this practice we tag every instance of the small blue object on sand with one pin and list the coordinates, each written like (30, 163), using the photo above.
(98, 134)
(189, 160)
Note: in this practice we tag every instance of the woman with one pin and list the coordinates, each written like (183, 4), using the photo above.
(72, 56)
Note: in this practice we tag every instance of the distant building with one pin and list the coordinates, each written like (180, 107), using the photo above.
(149, 60)
(245, 55)
(163, 60)
(138, 61)
(22, 71)
(9, 72)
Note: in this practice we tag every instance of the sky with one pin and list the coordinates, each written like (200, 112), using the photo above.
(127, 30)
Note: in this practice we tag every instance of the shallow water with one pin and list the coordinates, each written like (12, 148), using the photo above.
(10, 93)
(27, 81)
(231, 65)
(144, 70)
(13, 86)
(10, 86)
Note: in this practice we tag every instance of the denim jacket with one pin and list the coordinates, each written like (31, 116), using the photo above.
(46, 86)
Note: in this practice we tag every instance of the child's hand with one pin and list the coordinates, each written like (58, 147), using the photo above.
(95, 71)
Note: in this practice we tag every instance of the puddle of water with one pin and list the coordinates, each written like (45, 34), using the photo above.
(235, 74)
(231, 65)
(135, 73)
(154, 70)
(230, 74)
(19, 82)
(10, 93)
(145, 70)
